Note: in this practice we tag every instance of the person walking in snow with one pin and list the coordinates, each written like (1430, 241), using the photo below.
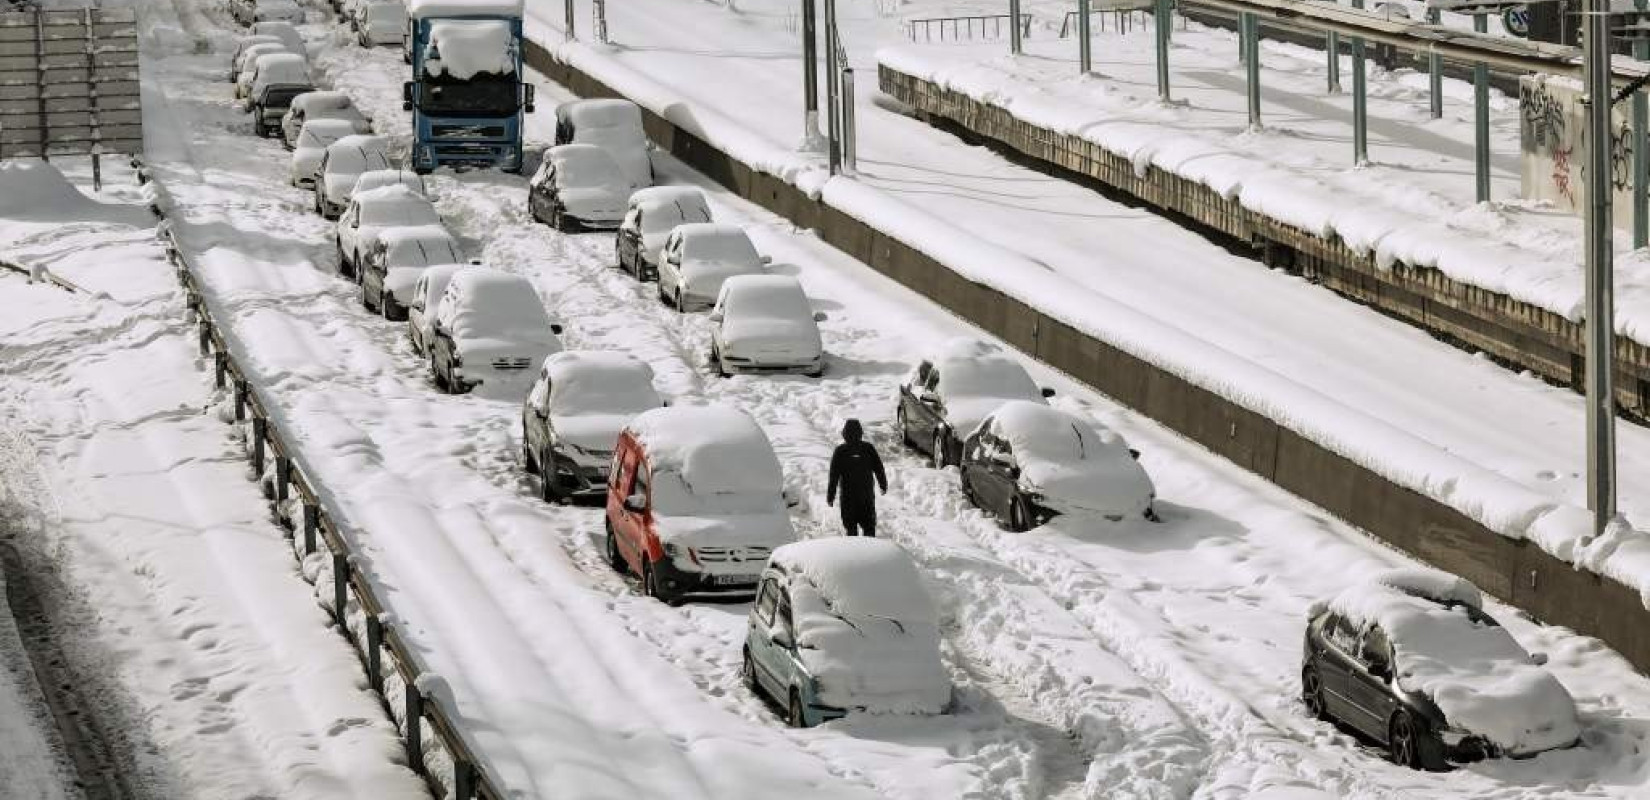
(855, 466)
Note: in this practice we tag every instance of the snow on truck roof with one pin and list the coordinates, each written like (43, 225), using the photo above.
(716, 449)
(860, 577)
(467, 48)
(418, 9)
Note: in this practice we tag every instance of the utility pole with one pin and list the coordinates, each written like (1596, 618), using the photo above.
(1601, 338)
(833, 89)
(571, 34)
(812, 141)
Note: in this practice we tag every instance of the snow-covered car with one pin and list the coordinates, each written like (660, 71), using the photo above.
(952, 389)
(277, 79)
(237, 59)
(241, 70)
(370, 213)
(763, 324)
(578, 186)
(379, 178)
(571, 419)
(381, 22)
(649, 218)
(697, 503)
(842, 624)
(490, 329)
(1027, 463)
(321, 105)
(698, 257)
(614, 126)
(282, 30)
(426, 303)
(390, 269)
(276, 10)
(1411, 659)
(344, 162)
(311, 145)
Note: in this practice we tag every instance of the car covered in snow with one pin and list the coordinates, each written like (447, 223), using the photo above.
(277, 79)
(283, 30)
(251, 12)
(321, 105)
(578, 186)
(571, 419)
(380, 22)
(695, 503)
(390, 269)
(954, 387)
(311, 144)
(1027, 463)
(613, 125)
(763, 324)
(238, 59)
(490, 328)
(1410, 659)
(426, 303)
(650, 216)
(379, 178)
(698, 257)
(343, 163)
(241, 68)
(842, 625)
(370, 213)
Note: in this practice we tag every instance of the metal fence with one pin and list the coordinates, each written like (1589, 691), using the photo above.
(1122, 15)
(69, 84)
(985, 27)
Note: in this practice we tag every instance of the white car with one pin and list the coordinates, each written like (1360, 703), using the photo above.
(843, 625)
(238, 59)
(379, 178)
(282, 30)
(426, 303)
(578, 186)
(490, 329)
(572, 418)
(282, 10)
(380, 22)
(614, 126)
(369, 213)
(311, 145)
(650, 216)
(698, 257)
(763, 324)
(244, 62)
(390, 270)
(321, 105)
(1027, 463)
(344, 162)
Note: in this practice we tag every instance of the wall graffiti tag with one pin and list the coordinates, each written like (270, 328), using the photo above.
(1552, 134)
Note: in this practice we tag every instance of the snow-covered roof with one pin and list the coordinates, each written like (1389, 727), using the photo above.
(765, 297)
(1432, 584)
(976, 368)
(395, 205)
(379, 178)
(420, 9)
(599, 382)
(1071, 461)
(496, 304)
(1471, 668)
(717, 241)
(281, 69)
(310, 102)
(862, 577)
(585, 165)
(684, 204)
(715, 449)
(466, 48)
(604, 113)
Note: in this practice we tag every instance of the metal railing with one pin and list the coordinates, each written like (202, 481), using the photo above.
(984, 27)
(1122, 16)
(363, 620)
(598, 13)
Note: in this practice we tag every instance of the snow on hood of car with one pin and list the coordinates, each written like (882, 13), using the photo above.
(708, 450)
(1072, 462)
(599, 382)
(865, 627)
(467, 48)
(770, 528)
(1469, 666)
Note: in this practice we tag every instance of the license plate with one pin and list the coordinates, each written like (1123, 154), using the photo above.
(732, 580)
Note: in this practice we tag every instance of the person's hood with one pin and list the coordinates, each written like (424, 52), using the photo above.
(759, 529)
(771, 337)
(874, 664)
(1113, 484)
(593, 433)
(603, 203)
(853, 431)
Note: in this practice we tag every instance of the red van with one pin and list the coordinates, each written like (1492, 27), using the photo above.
(695, 503)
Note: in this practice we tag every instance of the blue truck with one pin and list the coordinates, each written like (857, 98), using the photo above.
(467, 95)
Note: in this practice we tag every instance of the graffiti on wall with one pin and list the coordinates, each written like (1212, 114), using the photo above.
(1552, 134)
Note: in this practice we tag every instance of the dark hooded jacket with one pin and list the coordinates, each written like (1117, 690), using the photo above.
(856, 470)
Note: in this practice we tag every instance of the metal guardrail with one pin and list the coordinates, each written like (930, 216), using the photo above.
(45, 275)
(988, 27)
(1122, 15)
(289, 490)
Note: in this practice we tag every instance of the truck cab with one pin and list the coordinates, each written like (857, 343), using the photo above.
(466, 94)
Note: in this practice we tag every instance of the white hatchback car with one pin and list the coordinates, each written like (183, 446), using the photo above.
(490, 329)
(321, 105)
(698, 257)
(426, 304)
(311, 144)
(370, 213)
(763, 324)
(390, 270)
(343, 163)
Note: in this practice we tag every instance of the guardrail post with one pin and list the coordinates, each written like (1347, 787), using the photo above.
(220, 369)
(1014, 43)
(1360, 108)
(1085, 58)
(1435, 70)
(1164, 22)
(1249, 39)
(571, 34)
(1332, 46)
(241, 390)
(850, 159)
(415, 724)
(283, 476)
(204, 331)
(260, 428)
(375, 653)
(312, 520)
(340, 591)
(464, 780)
(1481, 116)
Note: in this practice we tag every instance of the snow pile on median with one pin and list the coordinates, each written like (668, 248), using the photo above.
(468, 48)
(35, 191)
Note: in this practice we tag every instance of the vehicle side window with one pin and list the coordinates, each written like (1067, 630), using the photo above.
(767, 601)
(784, 616)
(619, 471)
(640, 485)
(1376, 650)
(921, 378)
(932, 382)
(539, 396)
(1340, 634)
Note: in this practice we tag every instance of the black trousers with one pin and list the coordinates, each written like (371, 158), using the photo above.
(859, 521)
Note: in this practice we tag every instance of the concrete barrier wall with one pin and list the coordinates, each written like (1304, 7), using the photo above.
(1512, 570)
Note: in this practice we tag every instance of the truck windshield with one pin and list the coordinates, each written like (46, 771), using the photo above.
(485, 94)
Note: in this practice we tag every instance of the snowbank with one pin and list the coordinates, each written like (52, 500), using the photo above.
(468, 48)
(35, 191)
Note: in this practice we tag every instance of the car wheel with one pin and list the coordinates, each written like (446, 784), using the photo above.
(1018, 520)
(258, 124)
(614, 557)
(716, 362)
(747, 673)
(557, 219)
(678, 301)
(549, 491)
(1410, 744)
(794, 717)
(904, 429)
(1312, 694)
(366, 300)
(527, 461)
(936, 456)
(439, 376)
(651, 587)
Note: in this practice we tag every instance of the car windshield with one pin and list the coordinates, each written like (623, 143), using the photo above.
(316, 137)
(353, 161)
(732, 247)
(605, 392)
(399, 211)
(422, 252)
(584, 168)
(663, 217)
(987, 377)
(770, 302)
(281, 96)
